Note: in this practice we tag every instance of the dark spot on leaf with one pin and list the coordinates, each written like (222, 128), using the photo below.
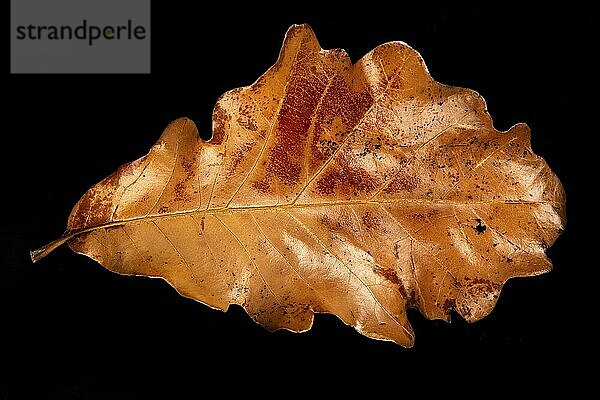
(480, 227)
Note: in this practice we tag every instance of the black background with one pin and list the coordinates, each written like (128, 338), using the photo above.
(71, 329)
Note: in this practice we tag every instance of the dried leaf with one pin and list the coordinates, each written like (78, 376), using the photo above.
(356, 190)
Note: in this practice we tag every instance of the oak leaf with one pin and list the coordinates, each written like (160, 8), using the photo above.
(356, 190)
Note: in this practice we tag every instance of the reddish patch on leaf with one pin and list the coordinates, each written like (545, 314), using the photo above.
(387, 273)
(220, 120)
(371, 221)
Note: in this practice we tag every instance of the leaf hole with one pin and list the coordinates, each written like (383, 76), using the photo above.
(480, 227)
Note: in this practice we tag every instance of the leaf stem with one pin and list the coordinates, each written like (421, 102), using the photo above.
(37, 255)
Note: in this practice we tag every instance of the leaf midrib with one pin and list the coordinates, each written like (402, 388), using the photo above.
(69, 235)
(224, 210)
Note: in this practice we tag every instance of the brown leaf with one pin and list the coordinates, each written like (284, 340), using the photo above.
(356, 190)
